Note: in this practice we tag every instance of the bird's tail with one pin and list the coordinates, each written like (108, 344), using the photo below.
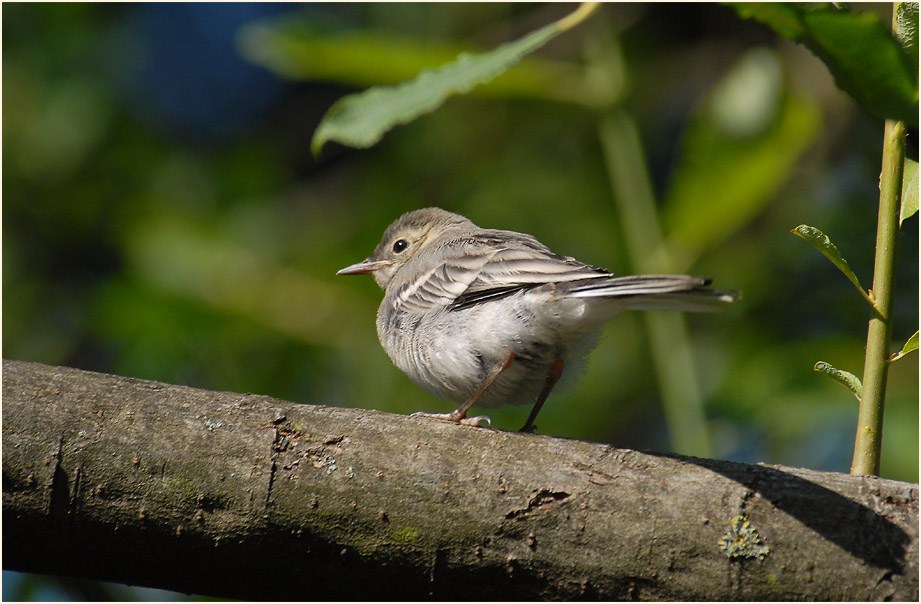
(656, 292)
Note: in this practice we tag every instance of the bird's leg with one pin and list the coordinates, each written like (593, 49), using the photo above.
(552, 378)
(459, 415)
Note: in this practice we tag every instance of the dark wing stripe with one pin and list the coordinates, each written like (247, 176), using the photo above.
(487, 295)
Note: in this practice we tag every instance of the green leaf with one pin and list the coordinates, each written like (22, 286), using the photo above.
(861, 53)
(822, 243)
(909, 191)
(845, 378)
(911, 344)
(782, 17)
(739, 147)
(361, 120)
(297, 49)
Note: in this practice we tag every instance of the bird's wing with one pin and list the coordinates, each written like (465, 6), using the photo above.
(484, 266)
(522, 260)
(440, 276)
(519, 262)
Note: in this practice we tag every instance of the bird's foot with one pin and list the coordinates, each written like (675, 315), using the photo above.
(454, 417)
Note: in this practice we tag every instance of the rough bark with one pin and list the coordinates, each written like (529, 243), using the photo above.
(250, 497)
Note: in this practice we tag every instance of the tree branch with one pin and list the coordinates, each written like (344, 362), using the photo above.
(250, 497)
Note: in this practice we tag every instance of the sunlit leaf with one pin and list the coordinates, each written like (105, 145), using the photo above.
(909, 190)
(910, 345)
(361, 120)
(295, 48)
(861, 53)
(822, 243)
(845, 378)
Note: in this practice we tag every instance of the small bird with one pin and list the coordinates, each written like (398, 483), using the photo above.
(489, 317)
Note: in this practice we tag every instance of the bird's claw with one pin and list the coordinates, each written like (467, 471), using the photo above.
(475, 421)
(451, 417)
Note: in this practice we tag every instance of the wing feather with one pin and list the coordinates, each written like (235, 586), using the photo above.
(487, 266)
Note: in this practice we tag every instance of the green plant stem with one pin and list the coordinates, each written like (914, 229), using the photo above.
(876, 365)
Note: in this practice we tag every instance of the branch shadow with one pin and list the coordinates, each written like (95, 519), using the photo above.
(854, 527)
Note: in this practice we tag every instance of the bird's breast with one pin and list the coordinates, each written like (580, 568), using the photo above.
(450, 352)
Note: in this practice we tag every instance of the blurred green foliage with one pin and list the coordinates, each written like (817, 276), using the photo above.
(203, 251)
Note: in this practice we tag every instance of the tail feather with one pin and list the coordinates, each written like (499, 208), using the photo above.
(657, 292)
(695, 301)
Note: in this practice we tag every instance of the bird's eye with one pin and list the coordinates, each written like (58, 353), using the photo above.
(399, 245)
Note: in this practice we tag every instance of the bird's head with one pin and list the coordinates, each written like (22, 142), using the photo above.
(404, 239)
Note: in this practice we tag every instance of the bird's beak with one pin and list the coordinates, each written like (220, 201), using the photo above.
(365, 267)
